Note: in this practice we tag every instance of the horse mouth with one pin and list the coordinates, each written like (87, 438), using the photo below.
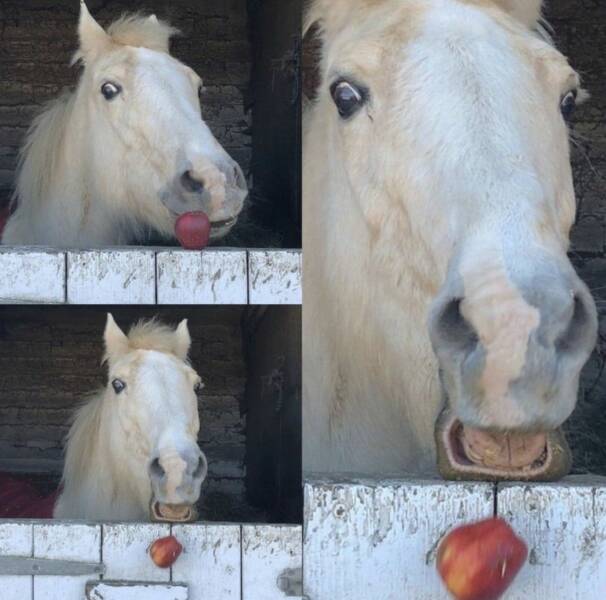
(465, 453)
(173, 513)
(224, 223)
(218, 229)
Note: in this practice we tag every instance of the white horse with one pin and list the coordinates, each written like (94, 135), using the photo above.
(126, 152)
(438, 200)
(132, 452)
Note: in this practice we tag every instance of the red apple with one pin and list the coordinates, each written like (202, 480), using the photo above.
(479, 561)
(192, 229)
(165, 551)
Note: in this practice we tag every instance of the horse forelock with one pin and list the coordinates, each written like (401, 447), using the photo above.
(152, 335)
(329, 16)
(142, 32)
(138, 31)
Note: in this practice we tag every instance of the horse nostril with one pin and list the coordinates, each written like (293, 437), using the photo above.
(577, 329)
(200, 471)
(191, 183)
(452, 328)
(156, 469)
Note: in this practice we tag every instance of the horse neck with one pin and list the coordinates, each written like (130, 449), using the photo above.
(97, 483)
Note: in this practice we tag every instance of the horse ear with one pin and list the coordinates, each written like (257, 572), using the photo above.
(93, 38)
(182, 340)
(152, 19)
(525, 11)
(116, 342)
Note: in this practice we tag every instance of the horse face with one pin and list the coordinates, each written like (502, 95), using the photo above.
(157, 409)
(156, 155)
(465, 109)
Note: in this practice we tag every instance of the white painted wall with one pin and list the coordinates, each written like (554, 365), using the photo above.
(219, 562)
(275, 277)
(369, 540)
(149, 276)
(377, 541)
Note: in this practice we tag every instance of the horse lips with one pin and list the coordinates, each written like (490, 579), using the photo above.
(192, 229)
(480, 561)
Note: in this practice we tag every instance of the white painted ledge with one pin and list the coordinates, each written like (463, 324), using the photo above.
(111, 277)
(148, 276)
(32, 276)
(377, 539)
(274, 277)
(217, 277)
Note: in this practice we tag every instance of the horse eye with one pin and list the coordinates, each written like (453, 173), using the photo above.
(568, 105)
(348, 97)
(118, 385)
(198, 387)
(110, 90)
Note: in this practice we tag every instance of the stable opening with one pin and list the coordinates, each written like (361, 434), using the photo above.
(250, 413)
(250, 97)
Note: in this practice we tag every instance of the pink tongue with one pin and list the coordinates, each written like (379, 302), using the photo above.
(502, 451)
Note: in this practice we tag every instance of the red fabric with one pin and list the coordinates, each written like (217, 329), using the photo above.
(5, 213)
(19, 499)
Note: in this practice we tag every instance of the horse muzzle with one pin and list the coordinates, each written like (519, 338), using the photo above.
(172, 513)
(176, 479)
(468, 453)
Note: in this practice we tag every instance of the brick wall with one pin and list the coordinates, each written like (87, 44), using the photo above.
(38, 38)
(50, 359)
